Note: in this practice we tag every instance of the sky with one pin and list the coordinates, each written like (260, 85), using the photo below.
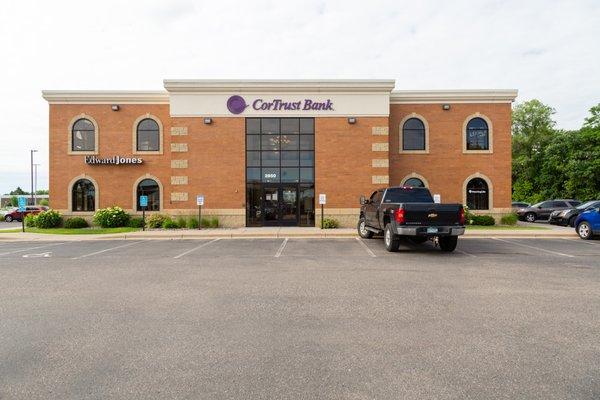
(548, 50)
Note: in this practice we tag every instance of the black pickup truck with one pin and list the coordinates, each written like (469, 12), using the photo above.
(410, 212)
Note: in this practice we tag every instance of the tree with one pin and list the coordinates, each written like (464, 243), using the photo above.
(593, 121)
(550, 163)
(18, 191)
(533, 129)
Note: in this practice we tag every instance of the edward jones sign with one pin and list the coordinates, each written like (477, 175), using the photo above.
(237, 104)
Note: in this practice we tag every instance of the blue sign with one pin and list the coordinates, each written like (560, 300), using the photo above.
(143, 201)
(22, 203)
(200, 200)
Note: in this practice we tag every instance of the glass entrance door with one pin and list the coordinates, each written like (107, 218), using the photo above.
(289, 205)
(271, 205)
(280, 205)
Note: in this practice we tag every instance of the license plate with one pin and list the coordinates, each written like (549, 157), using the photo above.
(432, 230)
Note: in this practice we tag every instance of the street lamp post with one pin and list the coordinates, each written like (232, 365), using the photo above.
(32, 194)
(35, 182)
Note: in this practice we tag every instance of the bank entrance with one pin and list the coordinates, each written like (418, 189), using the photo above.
(280, 171)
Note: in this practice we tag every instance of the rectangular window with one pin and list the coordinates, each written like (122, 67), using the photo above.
(290, 126)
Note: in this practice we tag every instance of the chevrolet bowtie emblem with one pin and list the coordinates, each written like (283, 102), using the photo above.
(432, 215)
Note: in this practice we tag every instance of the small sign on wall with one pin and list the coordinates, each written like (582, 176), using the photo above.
(322, 199)
(437, 198)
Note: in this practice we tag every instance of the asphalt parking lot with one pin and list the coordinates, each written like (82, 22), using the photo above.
(299, 319)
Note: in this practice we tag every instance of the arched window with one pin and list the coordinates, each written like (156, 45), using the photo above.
(478, 134)
(83, 196)
(83, 135)
(413, 134)
(148, 135)
(414, 182)
(149, 187)
(478, 194)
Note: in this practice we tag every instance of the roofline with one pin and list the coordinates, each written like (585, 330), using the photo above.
(279, 85)
(453, 96)
(105, 96)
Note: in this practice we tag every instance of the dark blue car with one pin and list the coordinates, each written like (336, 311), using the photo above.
(587, 224)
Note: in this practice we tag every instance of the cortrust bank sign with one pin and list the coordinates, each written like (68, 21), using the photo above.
(237, 104)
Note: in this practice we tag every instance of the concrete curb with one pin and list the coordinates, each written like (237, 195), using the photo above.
(272, 234)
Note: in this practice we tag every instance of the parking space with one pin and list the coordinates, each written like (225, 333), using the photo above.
(244, 318)
(503, 249)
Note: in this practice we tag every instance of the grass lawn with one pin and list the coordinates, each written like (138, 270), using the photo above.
(506, 227)
(83, 231)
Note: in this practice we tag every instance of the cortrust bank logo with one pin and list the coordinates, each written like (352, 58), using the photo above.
(237, 104)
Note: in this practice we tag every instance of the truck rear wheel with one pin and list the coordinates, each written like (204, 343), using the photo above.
(391, 240)
(448, 243)
(363, 232)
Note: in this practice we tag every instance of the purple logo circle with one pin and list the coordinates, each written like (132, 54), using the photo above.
(236, 104)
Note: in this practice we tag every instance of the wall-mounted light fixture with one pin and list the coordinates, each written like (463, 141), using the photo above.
(446, 107)
(207, 121)
(115, 107)
(352, 120)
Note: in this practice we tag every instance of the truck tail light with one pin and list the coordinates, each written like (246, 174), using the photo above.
(461, 216)
(399, 215)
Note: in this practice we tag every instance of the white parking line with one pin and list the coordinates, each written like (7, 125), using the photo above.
(364, 245)
(280, 250)
(31, 248)
(583, 241)
(196, 248)
(534, 247)
(105, 250)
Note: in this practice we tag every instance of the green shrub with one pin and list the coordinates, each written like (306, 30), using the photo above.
(44, 202)
(30, 220)
(170, 224)
(330, 223)
(156, 220)
(14, 201)
(136, 222)
(484, 220)
(205, 223)
(76, 223)
(111, 217)
(213, 222)
(509, 219)
(192, 223)
(181, 223)
(48, 219)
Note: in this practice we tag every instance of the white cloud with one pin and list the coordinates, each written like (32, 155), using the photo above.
(547, 50)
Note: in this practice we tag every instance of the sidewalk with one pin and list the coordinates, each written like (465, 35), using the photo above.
(276, 232)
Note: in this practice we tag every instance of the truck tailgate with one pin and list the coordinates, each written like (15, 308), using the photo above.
(431, 214)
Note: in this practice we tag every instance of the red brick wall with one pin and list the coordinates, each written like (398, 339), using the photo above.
(343, 158)
(446, 166)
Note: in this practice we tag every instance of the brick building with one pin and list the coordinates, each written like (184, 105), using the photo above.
(261, 151)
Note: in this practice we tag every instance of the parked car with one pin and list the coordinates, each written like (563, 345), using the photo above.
(568, 217)
(587, 224)
(410, 212)
(543, 209)
(16, 215)
(518, 204)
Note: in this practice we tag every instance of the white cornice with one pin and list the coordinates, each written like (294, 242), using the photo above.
(105, 97)
(279, 85)
(453, 96)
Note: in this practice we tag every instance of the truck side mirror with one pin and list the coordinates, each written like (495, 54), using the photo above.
(363, 200)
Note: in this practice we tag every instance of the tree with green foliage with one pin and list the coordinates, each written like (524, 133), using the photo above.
(18, 192)
(550, 163)
(533, 128)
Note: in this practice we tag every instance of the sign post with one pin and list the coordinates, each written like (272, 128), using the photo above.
(22, 208)
(200, 203)
(322, 202)
(143, 204)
